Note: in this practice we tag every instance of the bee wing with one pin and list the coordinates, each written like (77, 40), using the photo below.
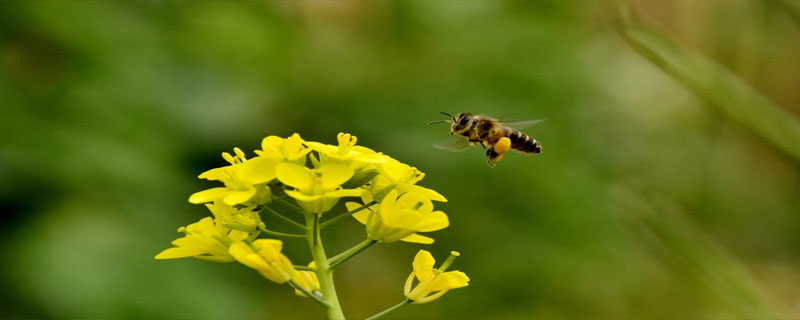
(522, 124)
(453, 143)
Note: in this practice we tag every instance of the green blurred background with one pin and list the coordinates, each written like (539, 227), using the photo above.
(648, 201)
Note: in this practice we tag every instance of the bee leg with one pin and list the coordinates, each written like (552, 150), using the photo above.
(493, 157)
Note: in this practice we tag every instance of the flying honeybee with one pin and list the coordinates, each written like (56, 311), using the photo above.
(496, 136)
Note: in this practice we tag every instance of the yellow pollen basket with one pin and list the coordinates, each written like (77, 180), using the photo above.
(502, 145)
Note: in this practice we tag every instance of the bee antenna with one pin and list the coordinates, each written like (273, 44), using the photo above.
(438, 121)
(447, 114)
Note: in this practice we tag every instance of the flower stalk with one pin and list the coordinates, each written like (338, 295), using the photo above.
(284, 218)
(310, 294)
(333, 309)
(331, 221)
(280, 234)
(389, 310)
(349, 253)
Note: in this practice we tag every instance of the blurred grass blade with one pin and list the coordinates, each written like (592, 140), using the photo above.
(791, 7)
(668, 233)
(716, 85)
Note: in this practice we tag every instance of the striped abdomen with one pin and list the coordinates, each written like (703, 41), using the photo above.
(523, 142)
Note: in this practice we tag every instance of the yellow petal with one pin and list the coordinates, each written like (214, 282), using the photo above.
(395, 170)
(220, 210)
(257, 170)
(415, 200)
(415, 238)
(361, 215)
(433, 221)
(321, 147)
(403, 219)
(204, 244)
(238, 235)
(428, 193)
(268, 244)
(333, 175)
(238, 197)
(307, 280)
(214, 258)
(423, 265)
(388, 201)
(178, 252)
(299, 196)
(243, 253)
(294, 175)
(204, 226)
(449, 280)
(208, 195)
(215, 174)
(344, 193)
(293, 144)
(268, 144)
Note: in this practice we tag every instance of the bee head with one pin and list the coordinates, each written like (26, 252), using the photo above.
(461, 122)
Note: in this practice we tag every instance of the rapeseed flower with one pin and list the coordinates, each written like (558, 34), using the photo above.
(289, 149)
(316, 190)
(307, 280)
(433, 283)
(245, 180)
(316, 176)
(204, 240)
(347, 152)
(244, 219)
(395, 175)
(265, 256)
(400, 218)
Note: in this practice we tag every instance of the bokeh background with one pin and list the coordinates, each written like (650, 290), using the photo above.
(653, 199)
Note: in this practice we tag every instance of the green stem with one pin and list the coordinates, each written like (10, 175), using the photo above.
(352, 252)
(346, 214)
(285, 219)
(292, 206)
(310, 294)
(325, 276)
(387, 311)
(280, 234)
(304, 268)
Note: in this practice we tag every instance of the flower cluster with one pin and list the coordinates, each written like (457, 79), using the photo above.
(310, 179)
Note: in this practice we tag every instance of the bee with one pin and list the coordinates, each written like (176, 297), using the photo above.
(496, 136)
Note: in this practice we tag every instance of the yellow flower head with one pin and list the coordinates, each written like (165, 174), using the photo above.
(401, 177)
(316, 190)
(244, 180)
(433, 283)
(265, 256)
(347, 152)
(400, 218)
(307, 280)
(239, 219)
(290, 149)
(204, 240)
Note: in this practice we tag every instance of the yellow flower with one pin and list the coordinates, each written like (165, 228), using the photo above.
(395, 175)
(347, 152)
(400, 218)
(244, 180)
(290, 149)
(239, 219)
(265, 256)
(433, 283)
(204, 240)
(307, 280)
(316, 190)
